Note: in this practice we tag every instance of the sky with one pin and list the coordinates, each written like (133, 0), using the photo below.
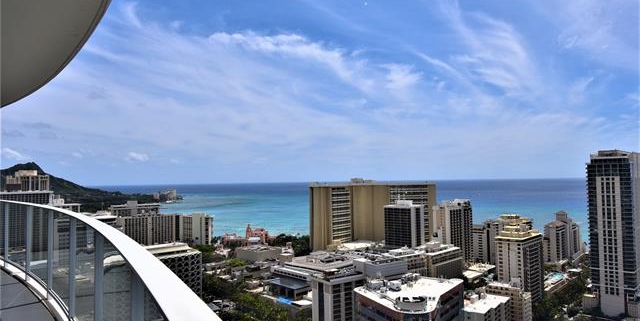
(169, 92)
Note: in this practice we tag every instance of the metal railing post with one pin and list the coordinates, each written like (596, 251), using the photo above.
(72, 267)
(137, 297)
(50, 234)
(99, 275)
(28, 242)
(6, 233)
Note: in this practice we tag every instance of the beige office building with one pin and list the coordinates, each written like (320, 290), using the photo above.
(344, 212)
(519, 257)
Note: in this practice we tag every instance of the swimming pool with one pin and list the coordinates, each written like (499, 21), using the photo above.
(555, 278)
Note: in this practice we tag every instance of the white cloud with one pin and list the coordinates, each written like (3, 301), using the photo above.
(578, 91)
(77, 155)
(606, 31)
(496, 53)
(401, 77)
(14, 155)
(230, 102)
(137, 157)
(352, 71)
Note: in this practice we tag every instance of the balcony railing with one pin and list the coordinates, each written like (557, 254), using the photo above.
(84, 269)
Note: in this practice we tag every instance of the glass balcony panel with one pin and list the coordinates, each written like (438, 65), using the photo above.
(151, 310)
(85, 272)
(116, 284)
(60, 264)
(39, 242)
(2, 215)
(17, 223)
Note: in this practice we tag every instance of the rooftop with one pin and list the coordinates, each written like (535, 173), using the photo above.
(483, 303)
(517, 232)
(356, 245)
(360, 181)
(321, 261)
(259, 248)
(610, 153)
(419, 296)
(289, 283)
(481, 267)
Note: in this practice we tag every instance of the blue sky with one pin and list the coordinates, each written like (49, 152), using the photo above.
(267, 91)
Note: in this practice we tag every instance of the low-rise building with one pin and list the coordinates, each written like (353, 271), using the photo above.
(414, 298)
(443, 260)
(254, 253)
(59, 202)
(415, 259)
(475, 274)
(520, 302)
(184, 261)
(487, 307)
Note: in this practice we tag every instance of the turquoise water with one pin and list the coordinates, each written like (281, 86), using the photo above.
(284, 208)
(555, 278)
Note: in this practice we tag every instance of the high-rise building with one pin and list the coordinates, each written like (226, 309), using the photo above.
(333, 295)
(26, 180)
(519, 257)
(520, 306)
(480, 243)
(452, 224)
(613, 188)
(561, 241)
(403, 224)
(27, 186)
(196, 228)
(418, 298)
(344, 212)
(493, 228)
(133, 208)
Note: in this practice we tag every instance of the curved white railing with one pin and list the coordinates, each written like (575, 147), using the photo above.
(24, 223)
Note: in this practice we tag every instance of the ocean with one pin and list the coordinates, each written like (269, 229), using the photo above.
(284, 207)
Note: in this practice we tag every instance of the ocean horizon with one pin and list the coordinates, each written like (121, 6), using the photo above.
(284, 207)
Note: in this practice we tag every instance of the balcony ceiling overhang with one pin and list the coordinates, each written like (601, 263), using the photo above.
(39, 38)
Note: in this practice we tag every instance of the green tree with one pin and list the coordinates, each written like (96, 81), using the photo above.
(237, 262)
(300, 244)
